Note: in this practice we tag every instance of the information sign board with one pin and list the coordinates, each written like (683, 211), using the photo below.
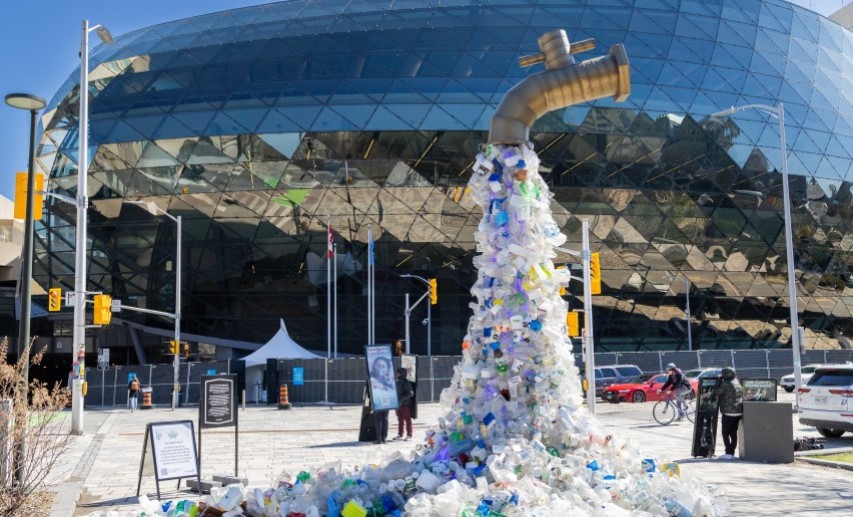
(172, 452)
(218, 407)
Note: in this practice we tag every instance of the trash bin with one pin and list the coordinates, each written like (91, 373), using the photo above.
(766, 432)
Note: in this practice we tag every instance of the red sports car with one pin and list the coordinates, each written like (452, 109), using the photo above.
(639, 389)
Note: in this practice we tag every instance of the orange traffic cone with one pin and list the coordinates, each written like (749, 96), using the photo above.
(283, 400)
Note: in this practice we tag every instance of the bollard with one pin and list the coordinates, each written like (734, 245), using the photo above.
(283, 400)
(146, 398)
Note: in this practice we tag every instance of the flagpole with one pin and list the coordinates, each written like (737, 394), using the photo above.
(335, 303)
(329, 240)
(370, 339)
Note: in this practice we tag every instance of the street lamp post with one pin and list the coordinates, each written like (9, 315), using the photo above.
(429, 314)
(32, 104)
(78, 348)
(779, 112)
(687, 313)
(154, 209)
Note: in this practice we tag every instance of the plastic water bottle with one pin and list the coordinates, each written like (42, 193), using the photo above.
(676, 509)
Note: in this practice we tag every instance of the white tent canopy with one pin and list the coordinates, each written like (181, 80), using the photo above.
(281, 346)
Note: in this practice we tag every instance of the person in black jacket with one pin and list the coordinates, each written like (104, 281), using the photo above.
(405, 393)
(730, 394)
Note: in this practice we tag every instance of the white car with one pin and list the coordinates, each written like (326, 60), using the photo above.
(787, 382)
(825, 402)
(701, 373)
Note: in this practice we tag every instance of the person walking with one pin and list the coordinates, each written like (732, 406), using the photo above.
(730, 394)
(405, 394)
(133, 393)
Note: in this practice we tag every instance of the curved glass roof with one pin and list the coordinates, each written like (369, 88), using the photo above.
(445, 66)
(261, 124)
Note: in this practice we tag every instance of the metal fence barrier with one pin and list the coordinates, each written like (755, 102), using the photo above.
(342, 381)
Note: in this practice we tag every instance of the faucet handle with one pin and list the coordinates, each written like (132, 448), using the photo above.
(582, 45)
(531, 60)
(556, 45)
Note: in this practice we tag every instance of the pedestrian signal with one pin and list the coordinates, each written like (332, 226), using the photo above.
(54, 299)
(103, 312)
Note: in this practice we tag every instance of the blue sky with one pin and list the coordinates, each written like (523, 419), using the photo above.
(41, 39)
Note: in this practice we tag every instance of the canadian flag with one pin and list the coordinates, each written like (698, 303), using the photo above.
(331, 252)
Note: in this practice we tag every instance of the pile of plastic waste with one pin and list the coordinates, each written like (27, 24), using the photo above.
(516, 439)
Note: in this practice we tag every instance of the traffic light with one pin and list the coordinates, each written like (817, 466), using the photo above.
(594, 274)
(102, 309)
(54, 299)
(174, 347)
(573, 322)
(21, 196)
(433, 291)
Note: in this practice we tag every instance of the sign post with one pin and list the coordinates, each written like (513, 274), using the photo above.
(218, 408)
(172, 455)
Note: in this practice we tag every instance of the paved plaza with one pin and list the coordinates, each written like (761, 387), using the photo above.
(101, 472)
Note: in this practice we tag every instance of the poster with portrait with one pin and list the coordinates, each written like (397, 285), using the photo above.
(410, 363)
(380, 374)
(759, 390)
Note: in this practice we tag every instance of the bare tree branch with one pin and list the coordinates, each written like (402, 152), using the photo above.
(35, 421)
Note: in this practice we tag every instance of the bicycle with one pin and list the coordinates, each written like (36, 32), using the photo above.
(665, 410)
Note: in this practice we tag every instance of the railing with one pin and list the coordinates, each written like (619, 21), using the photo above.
(342, 381)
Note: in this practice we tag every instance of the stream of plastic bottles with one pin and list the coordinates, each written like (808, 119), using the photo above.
(516, 439)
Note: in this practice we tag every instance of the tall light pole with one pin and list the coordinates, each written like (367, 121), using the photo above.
(779, 112)
(78, 348)
(32, 104)
(429, 313)
(588, 336)
(154, 209)
(687, 314)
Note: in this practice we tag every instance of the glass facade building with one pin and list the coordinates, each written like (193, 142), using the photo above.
(260, 125)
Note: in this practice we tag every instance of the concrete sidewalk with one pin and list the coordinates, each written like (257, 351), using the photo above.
(273, 441)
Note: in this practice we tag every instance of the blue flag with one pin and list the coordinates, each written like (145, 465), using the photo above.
(370, 246)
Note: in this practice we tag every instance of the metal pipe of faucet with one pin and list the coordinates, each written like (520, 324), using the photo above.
(563, 84)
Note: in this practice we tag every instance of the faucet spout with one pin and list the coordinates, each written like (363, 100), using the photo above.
(563, 84)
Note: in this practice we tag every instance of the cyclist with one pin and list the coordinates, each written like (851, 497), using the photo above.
(679, 386)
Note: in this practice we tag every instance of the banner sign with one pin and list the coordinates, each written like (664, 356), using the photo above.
(759, 390)
(380, 372)
(298, 376)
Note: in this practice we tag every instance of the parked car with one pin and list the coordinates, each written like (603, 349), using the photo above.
(806, 372)
(607, 375)
(702, 373)
(639, 389)
(825, 400)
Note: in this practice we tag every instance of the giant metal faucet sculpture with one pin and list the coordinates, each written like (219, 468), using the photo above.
(563, 84)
